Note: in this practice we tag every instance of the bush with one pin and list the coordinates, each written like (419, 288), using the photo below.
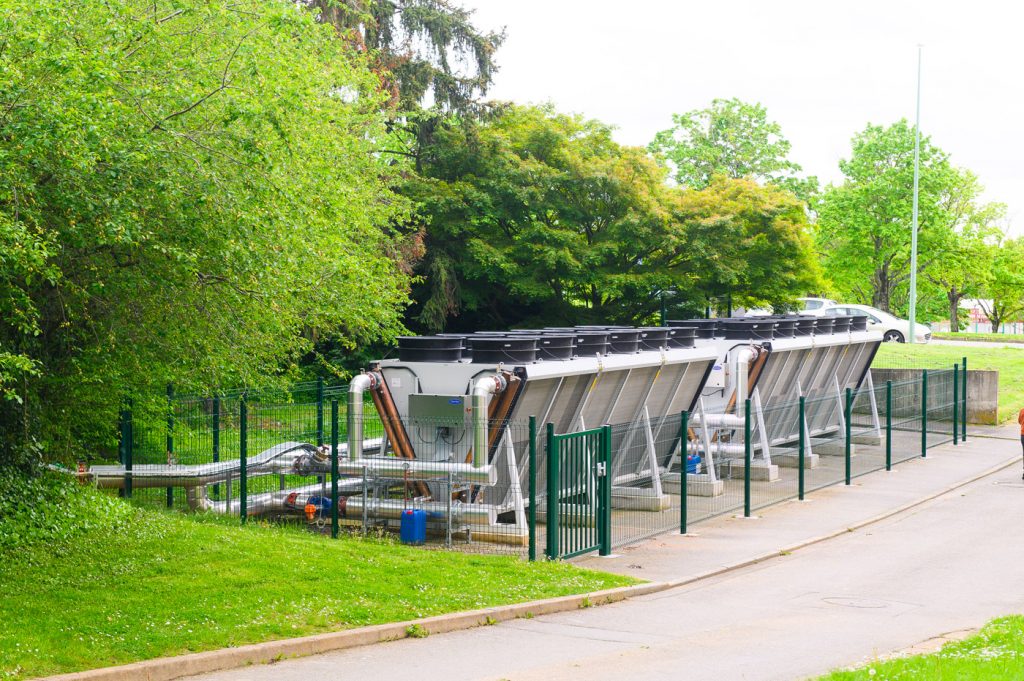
(53, 508)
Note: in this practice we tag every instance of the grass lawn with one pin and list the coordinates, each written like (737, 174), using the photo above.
(996, 653)
(1009, 362)
(992, 337)
(165, 584)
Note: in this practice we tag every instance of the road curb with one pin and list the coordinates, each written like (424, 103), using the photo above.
(168, 668)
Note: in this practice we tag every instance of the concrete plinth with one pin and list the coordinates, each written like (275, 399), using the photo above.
(758, 471)
(639, 499)
(696, 485)
(789, 458)
(868, 439)
(833, 447)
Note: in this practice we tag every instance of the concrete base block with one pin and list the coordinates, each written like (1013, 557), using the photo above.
(696, 485)
(868, 439)
(758, 471)
(787, 458)
(639, 499)
(832, 447)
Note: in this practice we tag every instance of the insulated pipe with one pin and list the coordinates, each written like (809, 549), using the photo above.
(295, 500)
(729, 421)
(743, 358)
(354, 416)
(482, 390)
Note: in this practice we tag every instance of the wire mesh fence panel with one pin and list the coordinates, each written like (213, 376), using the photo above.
(645, 478)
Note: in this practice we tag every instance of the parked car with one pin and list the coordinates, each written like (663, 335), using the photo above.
(893, 328)
(814, 305)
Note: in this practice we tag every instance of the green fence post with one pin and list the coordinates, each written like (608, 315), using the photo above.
(243, 452)
(552, 521)
(963, 413)
(956, 403)
(801, 446)
(126, 447)
(319, 412)
(888, 425)
(848, 413)
(924, 413)
(533, 489)
(605, 491)
(684, 451)
(170, 439)
(334, 468)
(216, 438)
(746, 458)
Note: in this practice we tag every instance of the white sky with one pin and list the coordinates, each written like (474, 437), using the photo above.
(823, 70)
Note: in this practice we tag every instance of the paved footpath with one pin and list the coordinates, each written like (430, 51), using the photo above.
(947, 565)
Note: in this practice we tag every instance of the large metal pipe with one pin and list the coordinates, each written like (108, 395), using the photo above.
(354, 412)
(742, 358)
(295, 501)
(730, 421)
(483, 388)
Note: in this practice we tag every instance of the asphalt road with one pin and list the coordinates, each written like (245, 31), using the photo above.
(948, 565)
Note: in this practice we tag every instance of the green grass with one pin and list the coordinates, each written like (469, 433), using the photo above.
(993, 337)
(996, 653)
(1009, 362)
(156, 583)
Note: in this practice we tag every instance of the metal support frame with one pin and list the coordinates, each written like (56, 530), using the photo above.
(875, 420)
(762, 429)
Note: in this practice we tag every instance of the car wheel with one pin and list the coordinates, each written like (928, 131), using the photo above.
(893, 336)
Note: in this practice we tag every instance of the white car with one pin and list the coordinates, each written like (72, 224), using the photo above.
(892, 328)
(814, 305)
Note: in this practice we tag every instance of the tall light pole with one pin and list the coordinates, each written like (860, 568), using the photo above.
(917, 181)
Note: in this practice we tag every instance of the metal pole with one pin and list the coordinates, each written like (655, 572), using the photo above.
(746, 458)
(848, 413)
(532, 462)
(216, 438)
(924, 413)
(243, 452)
(802, 445)
(552, 521)
(684, 442)
(888, 425)
(956, 403)
(170, 439)
(334, 469)
(319, 412)
(917, 182)
(126, 447)
(963, 413)
(605, 492)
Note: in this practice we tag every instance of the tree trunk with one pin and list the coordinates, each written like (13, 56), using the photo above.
(954, 297)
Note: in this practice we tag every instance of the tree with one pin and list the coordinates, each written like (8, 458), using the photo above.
(420, 48)
(1004, 290)
(534, 217)
(730, 138)
(864, 224)
(189, 192)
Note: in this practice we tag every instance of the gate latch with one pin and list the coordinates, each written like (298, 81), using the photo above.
(601, 469)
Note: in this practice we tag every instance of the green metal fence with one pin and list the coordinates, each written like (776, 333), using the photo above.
(559, 495)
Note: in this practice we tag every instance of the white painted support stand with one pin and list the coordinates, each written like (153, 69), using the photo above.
(874, 437)
(515, 490)
(643, 498)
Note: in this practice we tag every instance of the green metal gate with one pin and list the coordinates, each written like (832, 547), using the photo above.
(578, 492)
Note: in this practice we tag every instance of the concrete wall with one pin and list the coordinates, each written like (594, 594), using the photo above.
(982, 391)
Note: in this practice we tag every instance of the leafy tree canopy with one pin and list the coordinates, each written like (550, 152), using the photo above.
(865, 223)
(189, 192)
(730, 138)
(1003, 290)
(536, 217)
(423, 49)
